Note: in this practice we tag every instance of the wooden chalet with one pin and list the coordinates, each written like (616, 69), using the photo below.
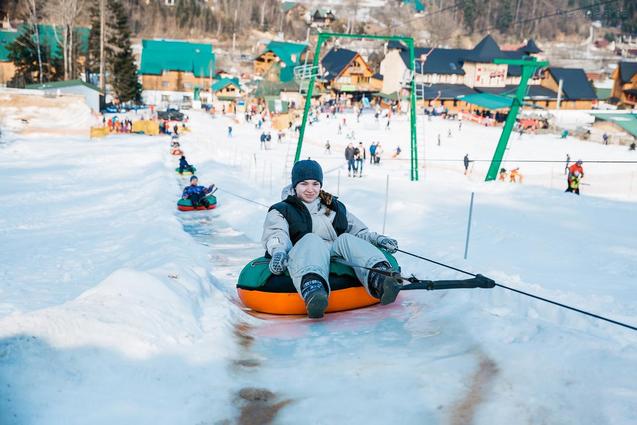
(345, 71)
(321, 17)
(624, 90)
(175, 72)
(284, 54)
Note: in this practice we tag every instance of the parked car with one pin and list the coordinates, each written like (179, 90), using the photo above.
(170, 114)
(111, 109)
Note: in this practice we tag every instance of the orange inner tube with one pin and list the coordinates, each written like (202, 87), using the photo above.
(292, 303)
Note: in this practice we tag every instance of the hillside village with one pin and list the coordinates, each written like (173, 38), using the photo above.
(185, 73)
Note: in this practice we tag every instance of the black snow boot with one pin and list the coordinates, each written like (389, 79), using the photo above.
(385, 288)
(314, 294)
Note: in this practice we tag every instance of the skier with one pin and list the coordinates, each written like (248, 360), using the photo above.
(502, 175)
(605, 137)
(372, 153)
(378, 154)
(515, 176)
(184, 166)
(575, 175)
(229, 131)
(466, 164)
(349, 157)
(197, 194)
(568, 161)
(263, 139)
(360, 157)
(328, 147)
(309, 227)
(397, 152)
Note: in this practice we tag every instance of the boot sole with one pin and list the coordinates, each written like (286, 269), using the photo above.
(316, 306)
(391, 288)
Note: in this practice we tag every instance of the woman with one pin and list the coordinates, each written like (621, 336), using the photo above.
(309, 227)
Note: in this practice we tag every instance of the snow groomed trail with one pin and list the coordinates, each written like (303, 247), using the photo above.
(152, 331)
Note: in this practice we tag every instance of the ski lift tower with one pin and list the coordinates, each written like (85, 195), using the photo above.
(304, 71)
(529, 65)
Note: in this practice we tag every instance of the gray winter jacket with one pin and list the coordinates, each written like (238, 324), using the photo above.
(276, 234)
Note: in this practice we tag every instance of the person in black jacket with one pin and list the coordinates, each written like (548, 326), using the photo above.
(184, 166)
(351, 160)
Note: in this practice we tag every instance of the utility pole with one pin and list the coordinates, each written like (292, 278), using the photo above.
(102, 53)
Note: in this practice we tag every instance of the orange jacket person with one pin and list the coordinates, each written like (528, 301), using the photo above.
(575, 174)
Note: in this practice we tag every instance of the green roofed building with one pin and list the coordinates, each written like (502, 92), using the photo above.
(287, 55)
(418, 5)
(7, 69)
(227, 89)
(49, 36)
(174, 72)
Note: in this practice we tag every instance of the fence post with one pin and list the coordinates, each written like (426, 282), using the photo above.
(466, 244)
(386, 202)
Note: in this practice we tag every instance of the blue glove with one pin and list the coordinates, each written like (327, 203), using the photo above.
(279, 262)
(387, 243)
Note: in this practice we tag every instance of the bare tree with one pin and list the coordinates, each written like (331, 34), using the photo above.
(65, 13)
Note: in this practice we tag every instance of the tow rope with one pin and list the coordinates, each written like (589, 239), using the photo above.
(578, 310)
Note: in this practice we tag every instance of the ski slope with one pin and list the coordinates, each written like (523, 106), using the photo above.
(116, 308)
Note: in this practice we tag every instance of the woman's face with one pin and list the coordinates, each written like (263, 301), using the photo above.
(308, 190)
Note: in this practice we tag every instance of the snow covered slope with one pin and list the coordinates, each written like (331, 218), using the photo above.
(114, 308)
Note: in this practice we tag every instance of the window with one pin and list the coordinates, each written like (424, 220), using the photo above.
(165, 83)
(185, 99)
(169, 2)
(165, 98)
(188, 85)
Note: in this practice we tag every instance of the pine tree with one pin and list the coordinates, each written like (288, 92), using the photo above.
(505, 16)
(121, 62)
(23, 52)
(93, 58)
(470, 13)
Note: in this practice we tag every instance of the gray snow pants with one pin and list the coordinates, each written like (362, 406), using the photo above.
(312, 254)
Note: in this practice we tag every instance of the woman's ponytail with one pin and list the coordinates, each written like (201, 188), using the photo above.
(327, 200)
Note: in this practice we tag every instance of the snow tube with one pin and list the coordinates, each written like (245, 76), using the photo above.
(187, 172)
(186, 205)
(262, 291)
(177, 152)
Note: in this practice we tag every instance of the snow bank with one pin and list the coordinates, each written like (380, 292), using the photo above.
(107, 305)
(32, 112)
